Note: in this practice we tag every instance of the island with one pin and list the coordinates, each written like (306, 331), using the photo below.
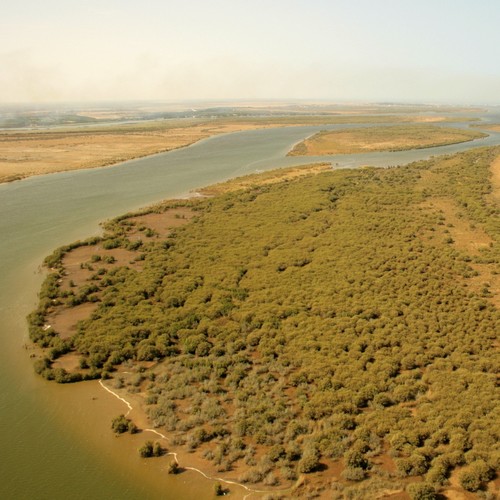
(382, 138)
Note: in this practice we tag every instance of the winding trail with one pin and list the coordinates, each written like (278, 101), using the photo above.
(116, 396)
(250, 491)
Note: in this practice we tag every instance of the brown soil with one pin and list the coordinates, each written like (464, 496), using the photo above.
(385, 463)
(70, 362)
(455, 491)
(64, 320)
(161, 224)
(468, 239)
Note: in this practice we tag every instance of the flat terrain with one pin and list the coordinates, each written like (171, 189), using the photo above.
(390, 138)
(319, 333)
(495, 127)
(29, 152)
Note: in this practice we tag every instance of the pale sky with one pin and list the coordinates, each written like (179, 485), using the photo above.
(341, 50)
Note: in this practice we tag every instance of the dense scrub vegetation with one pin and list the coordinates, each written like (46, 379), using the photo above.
(290, 326)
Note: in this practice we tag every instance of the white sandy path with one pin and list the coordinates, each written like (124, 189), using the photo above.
(250, 491)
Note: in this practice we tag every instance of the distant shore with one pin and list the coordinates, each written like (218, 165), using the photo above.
(27, 153)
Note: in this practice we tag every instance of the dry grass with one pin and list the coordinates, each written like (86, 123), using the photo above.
(34, 152)
(494, 127)
(393, 138)
(265, 178)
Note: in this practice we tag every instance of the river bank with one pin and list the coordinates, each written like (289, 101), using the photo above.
(27, 153)
(45, 212)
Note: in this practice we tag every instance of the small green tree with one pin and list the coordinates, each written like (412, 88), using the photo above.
(146, 450)
(158, 450)
(309, 461)
(123, 424)
(219, 490)
(173, 467)
(421, 491)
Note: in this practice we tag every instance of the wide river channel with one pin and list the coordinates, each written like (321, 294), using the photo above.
(55, 440)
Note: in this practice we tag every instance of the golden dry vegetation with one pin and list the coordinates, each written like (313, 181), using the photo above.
(33, 152)
(388, 138)
(264, 178)
(495, 127)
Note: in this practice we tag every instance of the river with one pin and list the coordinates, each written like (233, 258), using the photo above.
(56, 440)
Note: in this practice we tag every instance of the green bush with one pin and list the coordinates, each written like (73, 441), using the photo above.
(122, 424)
(146, 450)
(421, 491)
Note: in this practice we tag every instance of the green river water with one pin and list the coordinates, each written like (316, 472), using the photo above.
(55, 440)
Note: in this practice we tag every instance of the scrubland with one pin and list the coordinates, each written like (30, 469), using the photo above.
(335, 332)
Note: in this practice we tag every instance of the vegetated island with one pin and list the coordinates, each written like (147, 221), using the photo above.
(495, 127)
(331, 335)
(27, 152)
(387, 138)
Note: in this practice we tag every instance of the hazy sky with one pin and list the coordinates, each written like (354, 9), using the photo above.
(371, 50)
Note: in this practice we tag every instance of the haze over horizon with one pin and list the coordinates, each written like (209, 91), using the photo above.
(434, 51)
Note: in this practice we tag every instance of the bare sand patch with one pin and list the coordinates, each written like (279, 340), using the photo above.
(465, 236)
(64, 320)
(455, 491)
(69, 362)
(385, 462)
(160, 223)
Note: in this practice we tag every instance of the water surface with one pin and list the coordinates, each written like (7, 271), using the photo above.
(55, 441)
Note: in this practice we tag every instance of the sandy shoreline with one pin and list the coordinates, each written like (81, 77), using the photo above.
(183, 458)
